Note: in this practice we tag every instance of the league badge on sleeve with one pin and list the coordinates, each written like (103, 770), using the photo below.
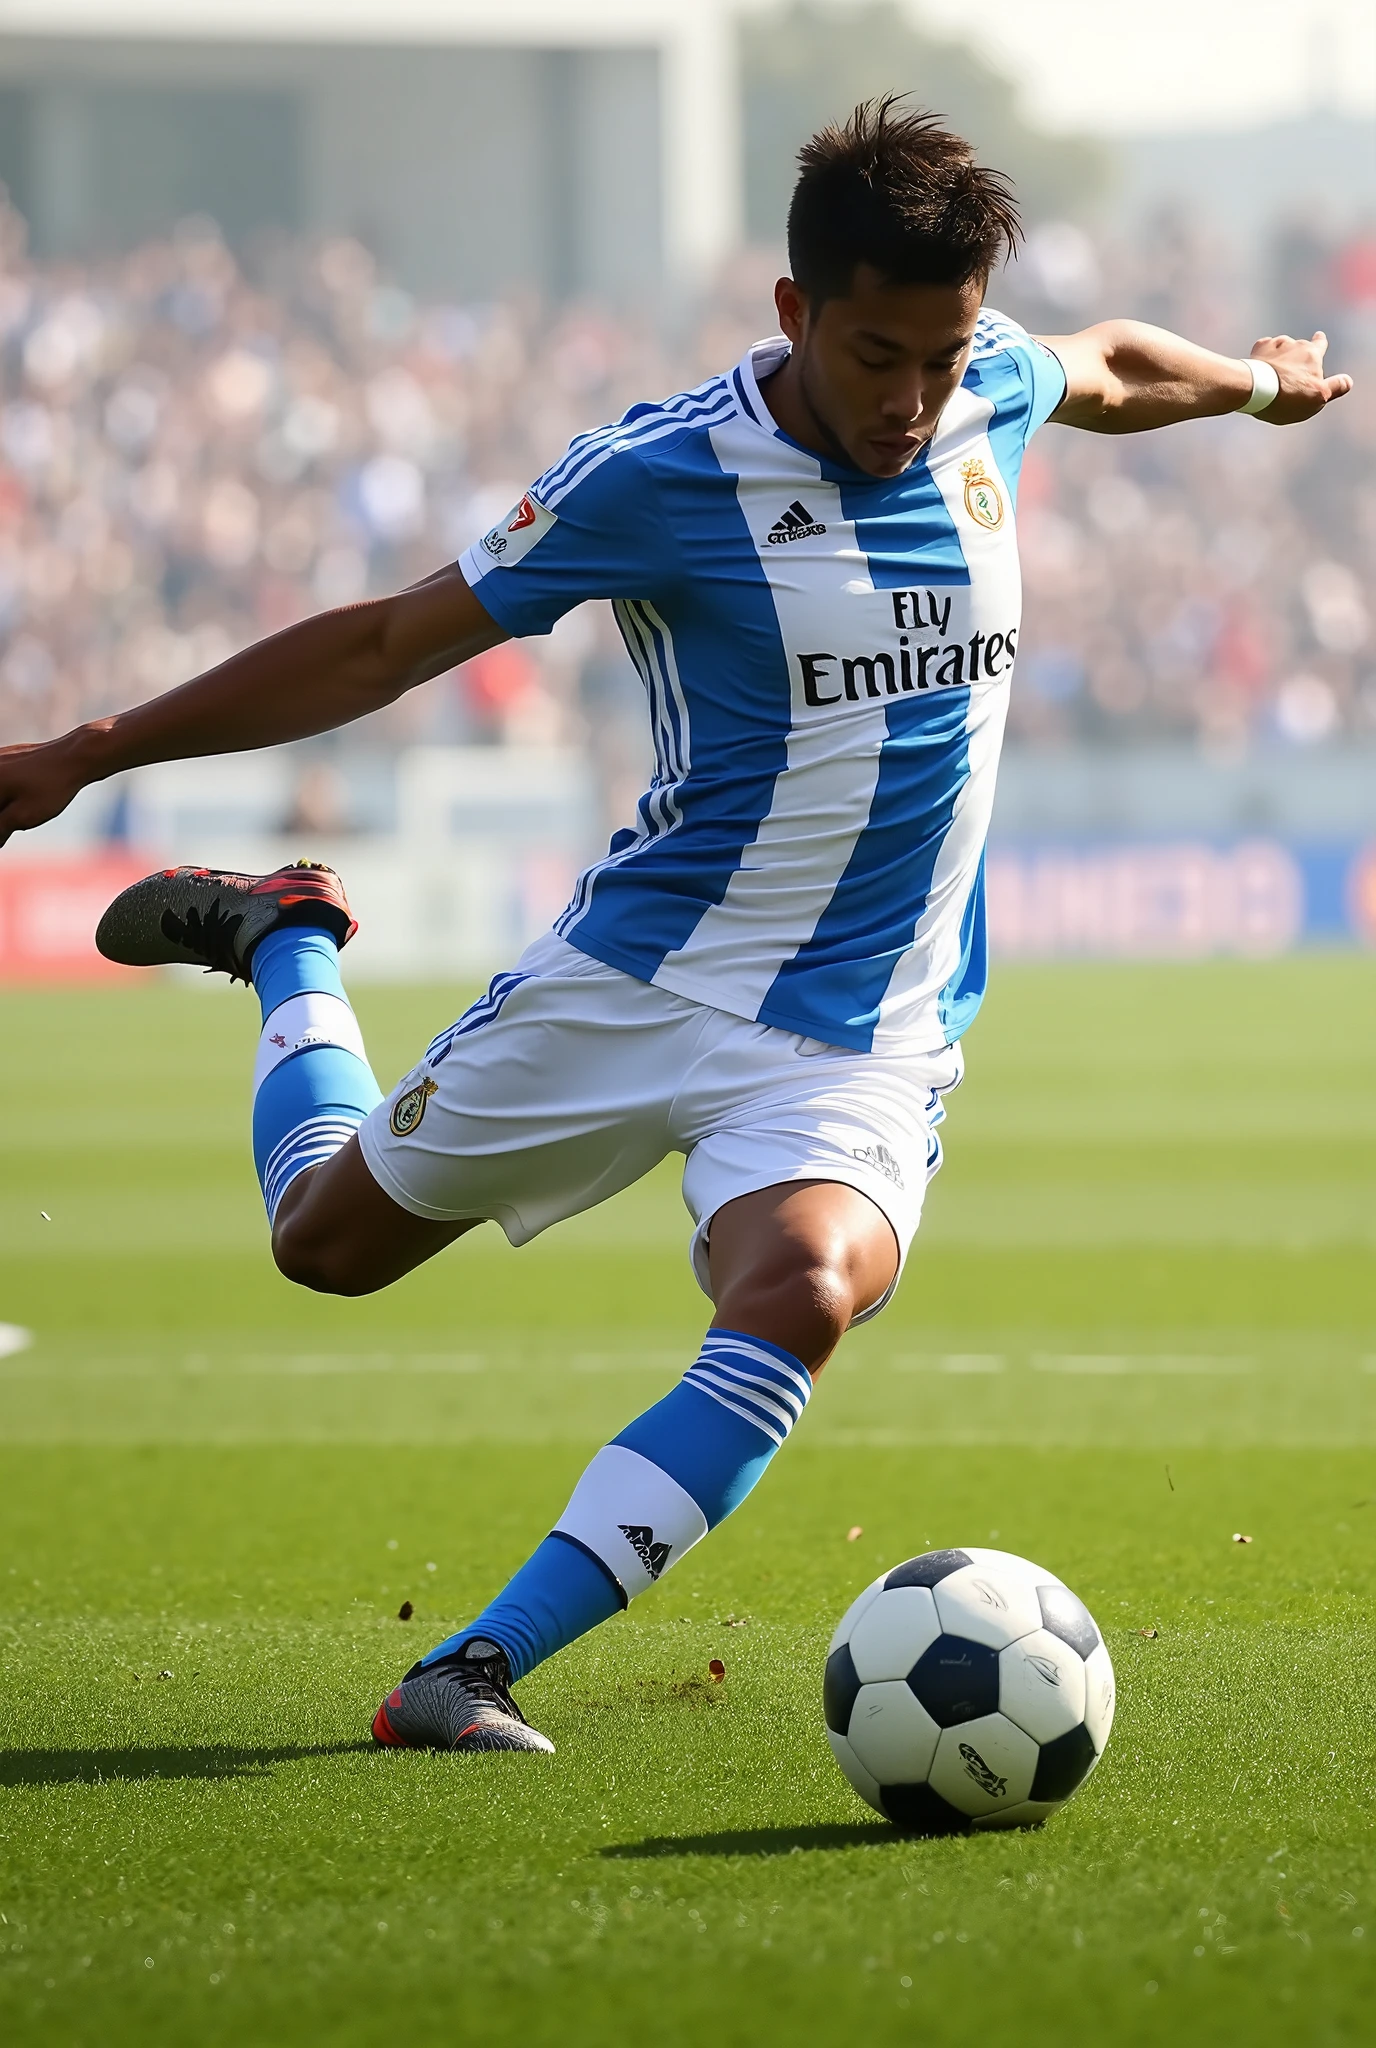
(515, 536)
(983, 499)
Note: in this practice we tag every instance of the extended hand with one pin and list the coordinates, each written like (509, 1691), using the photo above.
(36, 782)
(1304, 390)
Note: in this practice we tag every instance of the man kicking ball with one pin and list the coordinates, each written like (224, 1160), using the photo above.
(813, 563)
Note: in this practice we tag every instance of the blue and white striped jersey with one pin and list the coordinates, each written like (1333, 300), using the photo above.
(827, 658)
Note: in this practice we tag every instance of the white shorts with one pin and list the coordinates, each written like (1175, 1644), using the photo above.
(569, 1080)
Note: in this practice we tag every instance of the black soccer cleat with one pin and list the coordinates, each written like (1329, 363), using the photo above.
(199, 917)
(458, 1702)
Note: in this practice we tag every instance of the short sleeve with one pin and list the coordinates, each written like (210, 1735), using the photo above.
(1020, 374)
(585, 529)
(1046, 374)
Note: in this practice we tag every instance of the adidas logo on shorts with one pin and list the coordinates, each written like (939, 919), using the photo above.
(795, 524)
(880, 1156)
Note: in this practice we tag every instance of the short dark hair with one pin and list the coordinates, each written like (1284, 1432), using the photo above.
(894, 189)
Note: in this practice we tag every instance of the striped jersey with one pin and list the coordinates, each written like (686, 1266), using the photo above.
(827, 657)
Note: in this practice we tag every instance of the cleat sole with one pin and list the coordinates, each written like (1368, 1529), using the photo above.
(486, 1737)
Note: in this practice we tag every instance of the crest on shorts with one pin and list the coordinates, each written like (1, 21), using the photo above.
(408, 1109)
(983, 499)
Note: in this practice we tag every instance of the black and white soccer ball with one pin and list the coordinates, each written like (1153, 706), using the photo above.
(967, 1688)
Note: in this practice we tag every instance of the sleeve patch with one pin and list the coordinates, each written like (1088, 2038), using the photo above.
(512, 539)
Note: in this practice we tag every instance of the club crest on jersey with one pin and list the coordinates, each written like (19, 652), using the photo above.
(409, 1108)
(983, 499)
(517, 534)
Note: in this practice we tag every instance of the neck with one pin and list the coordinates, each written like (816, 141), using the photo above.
(787, 395)
(790, 405)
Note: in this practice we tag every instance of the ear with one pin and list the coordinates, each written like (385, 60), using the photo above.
(791, 304)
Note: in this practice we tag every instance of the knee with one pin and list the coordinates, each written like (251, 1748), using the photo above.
(804, 1306)
(826, 1303)
(314, 1259)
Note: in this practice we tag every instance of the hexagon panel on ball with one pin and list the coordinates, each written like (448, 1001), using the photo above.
(1042, 1685)
(892, 1735)
(892, 1634)
(985, 1766)
(993, 1608)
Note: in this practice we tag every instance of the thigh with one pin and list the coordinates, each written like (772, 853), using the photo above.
(773, 1111)
(545, 1098)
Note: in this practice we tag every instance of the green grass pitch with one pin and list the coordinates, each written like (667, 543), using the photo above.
(1139, 1320)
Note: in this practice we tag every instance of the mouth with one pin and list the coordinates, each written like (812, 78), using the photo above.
(897, 447)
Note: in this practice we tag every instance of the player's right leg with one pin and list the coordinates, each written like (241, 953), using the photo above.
(333, 1227)
(544, 1098)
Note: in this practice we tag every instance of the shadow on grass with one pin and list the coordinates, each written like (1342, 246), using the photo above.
(124, 1766)
(756, 1842)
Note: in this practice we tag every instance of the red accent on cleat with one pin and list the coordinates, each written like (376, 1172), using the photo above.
(383, 1730)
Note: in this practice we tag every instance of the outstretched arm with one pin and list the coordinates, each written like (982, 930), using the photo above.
(325, 672)
(1123, 377)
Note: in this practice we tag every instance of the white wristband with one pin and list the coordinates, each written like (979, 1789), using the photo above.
(1265, 385)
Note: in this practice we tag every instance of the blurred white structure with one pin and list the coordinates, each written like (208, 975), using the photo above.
(576, 147)
(487, 844)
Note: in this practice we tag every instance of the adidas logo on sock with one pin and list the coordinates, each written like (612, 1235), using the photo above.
(795, 524)
(654, 1556)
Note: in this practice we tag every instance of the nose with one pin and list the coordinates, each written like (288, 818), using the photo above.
(904, 405)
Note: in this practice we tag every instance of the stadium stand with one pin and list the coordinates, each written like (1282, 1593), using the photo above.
(197, 448)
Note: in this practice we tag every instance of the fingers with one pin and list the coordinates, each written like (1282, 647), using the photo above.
(1336, 387)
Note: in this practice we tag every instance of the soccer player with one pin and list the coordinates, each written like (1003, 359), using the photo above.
(814, 568)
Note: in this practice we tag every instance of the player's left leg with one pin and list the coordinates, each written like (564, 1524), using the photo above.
(791, 1268)
(807, 1167)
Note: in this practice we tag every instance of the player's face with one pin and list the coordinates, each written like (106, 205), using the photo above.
(874, 369)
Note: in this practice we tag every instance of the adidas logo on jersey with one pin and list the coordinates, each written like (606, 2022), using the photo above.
(654, 1556)
(795, 524)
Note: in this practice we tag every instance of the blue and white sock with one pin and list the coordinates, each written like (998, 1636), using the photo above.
(648, 1497)
(312, 1085)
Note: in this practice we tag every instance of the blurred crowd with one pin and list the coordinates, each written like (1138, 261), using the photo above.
(1212, 581)
(196, 450)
